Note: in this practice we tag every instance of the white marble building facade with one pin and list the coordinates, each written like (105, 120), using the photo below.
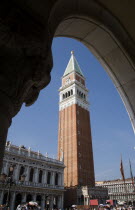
(118, 191)
(43, 178)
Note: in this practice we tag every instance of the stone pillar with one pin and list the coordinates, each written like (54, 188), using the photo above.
(88, 201)
(43, 202)
(6, 168)
(44, 177)
(84, 200)
(12, 201)
(24, 197)
(51, 202)
(16, 172)
(52, 177)
(62, 200)
(62, 179)
(36, 175)
(59, 201)
(1, 197)
(27, 174)
(34, 197)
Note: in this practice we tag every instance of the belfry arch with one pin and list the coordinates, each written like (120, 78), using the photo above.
(27, 29)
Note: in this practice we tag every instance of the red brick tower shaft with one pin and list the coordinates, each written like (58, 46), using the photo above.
(74, 138)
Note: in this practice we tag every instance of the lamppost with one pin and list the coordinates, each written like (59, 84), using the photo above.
(8, 182)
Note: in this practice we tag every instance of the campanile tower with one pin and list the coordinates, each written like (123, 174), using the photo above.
(74, 138)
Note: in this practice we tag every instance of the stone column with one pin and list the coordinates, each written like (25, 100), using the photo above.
(62, 179)
(59, 202)
(44, 177)
(34, 197)
(88, 201)
(16, 172)
(24, 197)
(62, 200)
(1, 197)
(6, 169)
(84, 200)
(12, 201)
(36, 175)
(27, 174)
(51, 202)
(52, 177)
(43, 202)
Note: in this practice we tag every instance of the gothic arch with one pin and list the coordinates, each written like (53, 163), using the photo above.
(92, 24)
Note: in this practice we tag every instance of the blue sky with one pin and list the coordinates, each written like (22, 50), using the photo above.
(112, 134)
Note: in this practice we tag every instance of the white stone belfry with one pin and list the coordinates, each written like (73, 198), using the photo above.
(73, 90)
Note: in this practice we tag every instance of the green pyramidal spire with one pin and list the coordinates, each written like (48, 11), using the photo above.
(73, 66)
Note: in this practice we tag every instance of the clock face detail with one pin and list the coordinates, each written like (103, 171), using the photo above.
(68, 80)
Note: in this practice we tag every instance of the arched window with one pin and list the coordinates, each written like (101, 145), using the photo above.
(31, 175)
(38, 199)
(21, 172)
(84, 96)
(56, 178)
(48, 177)
(68, 93)
(63, 96)
(5, 198)
(40, 176)
(18, 199)
(29, 198)
(80, 93)
(71, 92)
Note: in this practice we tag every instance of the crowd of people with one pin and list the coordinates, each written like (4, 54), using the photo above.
(30, 205)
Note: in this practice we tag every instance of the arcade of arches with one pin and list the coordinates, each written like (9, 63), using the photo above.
(27, 29)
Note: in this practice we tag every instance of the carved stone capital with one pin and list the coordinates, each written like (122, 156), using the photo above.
(25, 57)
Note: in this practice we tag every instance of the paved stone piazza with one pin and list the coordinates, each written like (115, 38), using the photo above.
(43, 178)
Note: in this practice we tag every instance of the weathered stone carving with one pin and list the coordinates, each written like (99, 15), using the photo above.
(25, 57)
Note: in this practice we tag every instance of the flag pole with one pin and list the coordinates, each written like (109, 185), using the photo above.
(132, 178)
(123, 177)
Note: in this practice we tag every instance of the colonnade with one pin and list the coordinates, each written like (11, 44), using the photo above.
(48, 201)
(52, 180)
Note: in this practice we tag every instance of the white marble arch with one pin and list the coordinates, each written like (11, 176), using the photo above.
(94, 26)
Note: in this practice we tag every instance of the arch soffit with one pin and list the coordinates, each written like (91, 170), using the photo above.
(93, 25)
